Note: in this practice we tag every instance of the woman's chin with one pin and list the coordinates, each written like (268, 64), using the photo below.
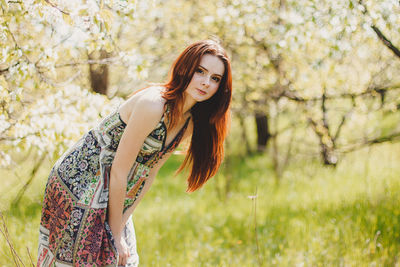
(202, 99)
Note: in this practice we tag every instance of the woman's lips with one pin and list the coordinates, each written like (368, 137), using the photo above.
(201, 91)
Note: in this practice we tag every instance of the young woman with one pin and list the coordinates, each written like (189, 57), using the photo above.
(95, 186)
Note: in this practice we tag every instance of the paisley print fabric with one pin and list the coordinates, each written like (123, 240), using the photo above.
(73, 227)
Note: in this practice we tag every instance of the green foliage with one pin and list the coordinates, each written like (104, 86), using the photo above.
(315, 217)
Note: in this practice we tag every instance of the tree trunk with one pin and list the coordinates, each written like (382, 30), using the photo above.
(99, 73)
(328, 155)
(263, 132)
(326, 142)
(243, 134)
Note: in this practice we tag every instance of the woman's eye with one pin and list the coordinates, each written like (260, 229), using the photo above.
(199, 71)
(217, 79)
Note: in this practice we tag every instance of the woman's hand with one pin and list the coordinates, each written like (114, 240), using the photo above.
(123, 251)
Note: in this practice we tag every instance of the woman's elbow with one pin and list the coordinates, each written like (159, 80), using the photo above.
(117, 175)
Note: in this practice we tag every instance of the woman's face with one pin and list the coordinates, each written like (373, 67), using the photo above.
(206, 78)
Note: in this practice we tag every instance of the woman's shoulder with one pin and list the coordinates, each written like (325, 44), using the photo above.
(152, 94)
(149, 101)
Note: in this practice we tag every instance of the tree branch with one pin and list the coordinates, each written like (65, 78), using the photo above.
(324, 112)
(379, 33)
(292, 95)
(340, 126)
(56, 7)
(35, 169)
(394, 137)
(104, 61)
(386, 41)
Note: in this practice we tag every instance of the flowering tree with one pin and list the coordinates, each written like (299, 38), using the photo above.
(43, 70)
(317, 75)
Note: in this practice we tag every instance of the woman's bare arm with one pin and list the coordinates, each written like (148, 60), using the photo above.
(143, 119)
(153, 174)
(146, 187)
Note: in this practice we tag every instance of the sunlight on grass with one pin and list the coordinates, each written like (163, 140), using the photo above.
(314, 216)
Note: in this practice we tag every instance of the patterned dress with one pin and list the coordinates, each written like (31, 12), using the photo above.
(73, 227)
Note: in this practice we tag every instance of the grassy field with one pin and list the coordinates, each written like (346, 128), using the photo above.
(314, 216)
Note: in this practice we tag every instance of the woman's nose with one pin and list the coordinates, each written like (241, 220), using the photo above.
(206, 81)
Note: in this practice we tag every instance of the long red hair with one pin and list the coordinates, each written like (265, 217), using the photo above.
(210, 117)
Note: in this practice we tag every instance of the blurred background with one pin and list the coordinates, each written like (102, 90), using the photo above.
(311, 173)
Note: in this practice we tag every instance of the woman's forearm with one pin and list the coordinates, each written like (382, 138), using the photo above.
(117, 192)
(146, 187)
(116, 218)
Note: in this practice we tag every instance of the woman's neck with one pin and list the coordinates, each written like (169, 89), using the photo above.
(188, 103)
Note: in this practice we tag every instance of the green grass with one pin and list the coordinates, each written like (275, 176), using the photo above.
(314, 216)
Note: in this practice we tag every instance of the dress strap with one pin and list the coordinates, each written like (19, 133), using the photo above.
(166, 111)
(174, 143)
(177, 138)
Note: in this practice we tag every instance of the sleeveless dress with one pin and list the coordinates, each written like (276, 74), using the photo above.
(73, 227)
